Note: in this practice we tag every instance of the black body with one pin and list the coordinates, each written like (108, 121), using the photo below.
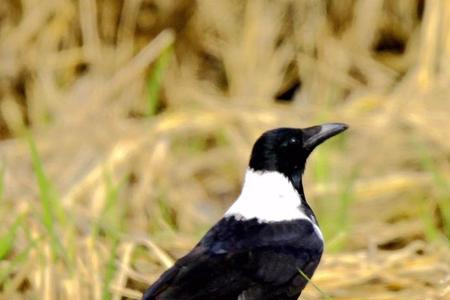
(249, 259)
(256, 261)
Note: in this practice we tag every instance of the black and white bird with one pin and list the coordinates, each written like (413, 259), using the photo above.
(268, 240)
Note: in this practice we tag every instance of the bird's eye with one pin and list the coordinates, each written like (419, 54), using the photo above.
(293, 140)
(290, 142)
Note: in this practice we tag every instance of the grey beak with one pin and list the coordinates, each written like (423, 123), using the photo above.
(314, 136)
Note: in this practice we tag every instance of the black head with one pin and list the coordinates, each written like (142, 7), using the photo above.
(286, 149)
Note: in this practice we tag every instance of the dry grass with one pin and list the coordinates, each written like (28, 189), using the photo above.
(141, 115)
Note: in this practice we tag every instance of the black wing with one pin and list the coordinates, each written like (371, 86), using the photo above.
(244, 259)
(199, 275)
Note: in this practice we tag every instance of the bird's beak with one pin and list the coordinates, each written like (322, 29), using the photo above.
(314, 136)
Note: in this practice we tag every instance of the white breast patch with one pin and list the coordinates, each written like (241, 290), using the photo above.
(269, 197)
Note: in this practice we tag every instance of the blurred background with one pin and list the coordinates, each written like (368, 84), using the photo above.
(126, 128)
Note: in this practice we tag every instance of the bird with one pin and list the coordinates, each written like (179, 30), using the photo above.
(268, 244)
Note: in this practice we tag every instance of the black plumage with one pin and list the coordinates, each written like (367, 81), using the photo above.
(252, 258)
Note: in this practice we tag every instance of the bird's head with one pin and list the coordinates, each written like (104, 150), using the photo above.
(285, 150)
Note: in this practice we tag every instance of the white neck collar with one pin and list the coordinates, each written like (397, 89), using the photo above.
(268, 196)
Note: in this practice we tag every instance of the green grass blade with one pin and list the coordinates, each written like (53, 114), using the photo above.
(443, 190)
(7, 240)
(110, 218)
(111, 222)
(431, 231)
(155, 81)
(341, 222)
(321, 292)
(2, 181)
(111, 270)
(48, 201)
(3, 208)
